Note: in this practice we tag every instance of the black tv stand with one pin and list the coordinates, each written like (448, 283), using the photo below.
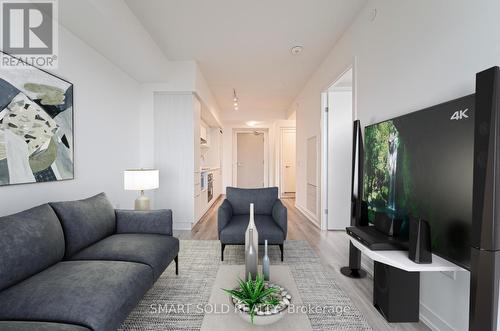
(394, 267)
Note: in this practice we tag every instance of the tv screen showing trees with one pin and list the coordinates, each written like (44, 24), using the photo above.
(421, 165)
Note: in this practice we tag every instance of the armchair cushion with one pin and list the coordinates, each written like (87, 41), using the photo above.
(234, 232)
(134, 221)
(280, 215)
(155, 250)
(85, 222)
(224, 215)
(262, 198)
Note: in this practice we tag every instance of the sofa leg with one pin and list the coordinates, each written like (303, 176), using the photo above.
(222, 246)
(281, 249)
(176, 259)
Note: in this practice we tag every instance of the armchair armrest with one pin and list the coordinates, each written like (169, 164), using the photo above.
(280, 215)
(134, 221)
(224, 215)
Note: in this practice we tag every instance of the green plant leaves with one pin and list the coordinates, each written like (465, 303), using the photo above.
(253, 293)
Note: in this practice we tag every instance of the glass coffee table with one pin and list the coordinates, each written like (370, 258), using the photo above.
(220, 314)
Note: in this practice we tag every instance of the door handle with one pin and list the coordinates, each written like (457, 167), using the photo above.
(288, 166)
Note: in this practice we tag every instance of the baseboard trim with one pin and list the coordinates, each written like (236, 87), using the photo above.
(432, 320)
(308, 215)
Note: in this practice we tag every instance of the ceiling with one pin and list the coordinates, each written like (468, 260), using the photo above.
(246, 45)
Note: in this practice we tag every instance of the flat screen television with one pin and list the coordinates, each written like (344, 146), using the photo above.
(421, 165)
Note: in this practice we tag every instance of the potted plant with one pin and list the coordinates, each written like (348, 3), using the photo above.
(259, 302)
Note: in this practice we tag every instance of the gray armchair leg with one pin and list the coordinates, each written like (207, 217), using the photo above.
(281, 249)
(222, 246)
(176, 260)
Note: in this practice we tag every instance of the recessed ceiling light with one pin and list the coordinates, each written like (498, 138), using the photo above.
(296, 50)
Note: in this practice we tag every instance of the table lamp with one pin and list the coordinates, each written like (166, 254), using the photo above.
(140, 180)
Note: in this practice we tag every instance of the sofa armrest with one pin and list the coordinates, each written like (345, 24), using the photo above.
(224, 215)
(135, 221)
(280, 215)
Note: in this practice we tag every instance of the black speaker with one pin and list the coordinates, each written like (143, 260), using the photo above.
(396, 293)
(359, 216)
(387, 225)
(420, 250)
(485, 250)
(485, 233)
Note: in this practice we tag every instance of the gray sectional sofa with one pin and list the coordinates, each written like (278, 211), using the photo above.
(80, 265)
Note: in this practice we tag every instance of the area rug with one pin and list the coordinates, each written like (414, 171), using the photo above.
(173, 302)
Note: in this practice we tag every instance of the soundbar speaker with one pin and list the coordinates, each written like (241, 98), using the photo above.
(420, 241)
(387, 225)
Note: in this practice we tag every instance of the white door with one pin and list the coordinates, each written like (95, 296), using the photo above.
(250, 159)
(340, 123)
(288, 161)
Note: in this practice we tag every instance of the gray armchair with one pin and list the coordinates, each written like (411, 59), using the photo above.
(269, 213)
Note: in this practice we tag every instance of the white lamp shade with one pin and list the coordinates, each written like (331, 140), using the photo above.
(141, 179)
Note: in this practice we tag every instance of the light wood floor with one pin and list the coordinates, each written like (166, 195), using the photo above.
(331, 247)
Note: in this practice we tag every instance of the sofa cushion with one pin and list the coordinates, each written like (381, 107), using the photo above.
(234, 231)
(262, 198)
(96, 294)
(30, 241)
(149, 221)
(39, 326)
(85, 222)
(155, 250)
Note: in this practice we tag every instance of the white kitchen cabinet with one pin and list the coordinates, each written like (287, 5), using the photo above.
(177, 156)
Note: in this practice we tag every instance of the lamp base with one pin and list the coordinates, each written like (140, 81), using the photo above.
(142, 202)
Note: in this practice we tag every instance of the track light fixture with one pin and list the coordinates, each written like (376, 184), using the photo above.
(235, 100)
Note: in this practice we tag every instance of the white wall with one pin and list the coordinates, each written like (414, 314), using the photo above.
(106, 132)
(415, 54)
(204, 92)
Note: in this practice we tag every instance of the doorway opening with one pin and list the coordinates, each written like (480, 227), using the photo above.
(250, 159)
(287, 167)
(338, 117)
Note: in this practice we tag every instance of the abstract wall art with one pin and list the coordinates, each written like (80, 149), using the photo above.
(36, 126)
